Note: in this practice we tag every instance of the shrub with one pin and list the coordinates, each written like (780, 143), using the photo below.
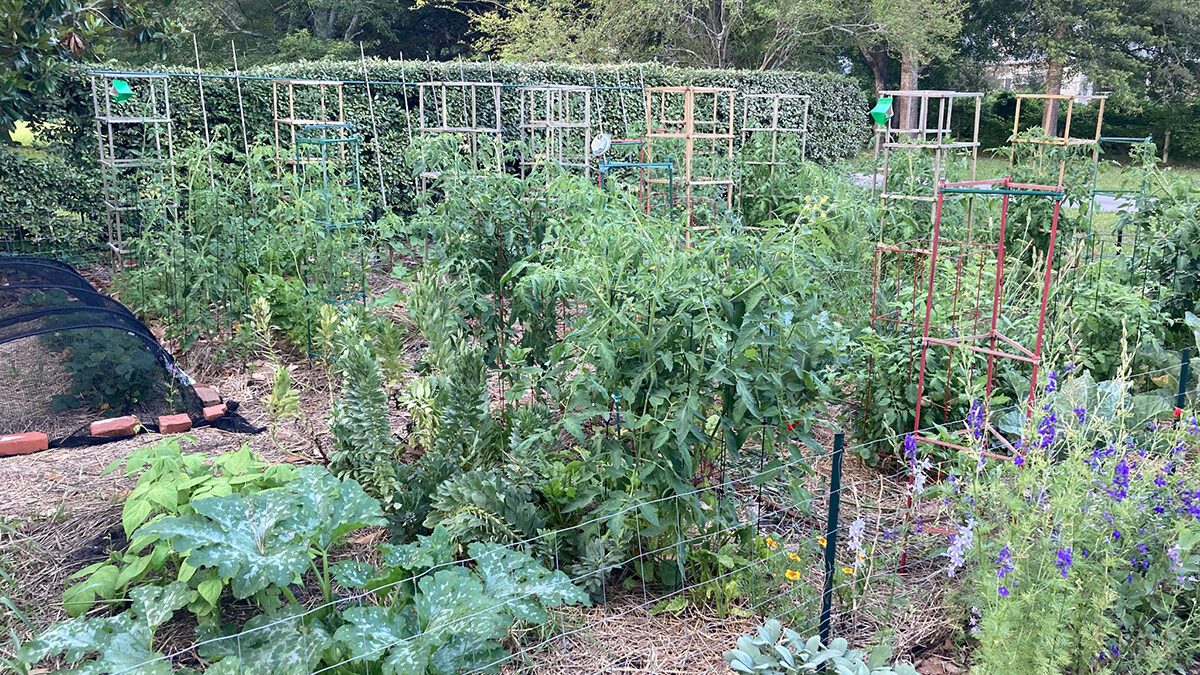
(48, 203)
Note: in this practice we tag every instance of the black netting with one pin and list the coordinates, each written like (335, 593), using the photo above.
(16, 270)
(70, 356)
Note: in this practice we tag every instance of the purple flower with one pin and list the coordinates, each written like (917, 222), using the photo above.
(1070, 367)
(1193, 427)
(1019, 460)
(1003, 591)
(1052, 385)
(1047, 430)
(960, 543)
(975, 419)
(1120, 481)
(1080, 414)
(910, 448)
(1063, 561)
(1004, 563)
(1116, 535)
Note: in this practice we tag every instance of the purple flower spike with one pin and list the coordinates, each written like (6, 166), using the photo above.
(1063, 561)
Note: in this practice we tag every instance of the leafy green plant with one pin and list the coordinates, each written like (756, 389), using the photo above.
(169, 482)
(775, 650)
(1086, 554)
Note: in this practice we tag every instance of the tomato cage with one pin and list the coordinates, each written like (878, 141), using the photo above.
(977, 326)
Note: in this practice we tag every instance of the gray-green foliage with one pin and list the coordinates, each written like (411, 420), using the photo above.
(458, 615)
(121, 643)
(774, 650)
(364, 448)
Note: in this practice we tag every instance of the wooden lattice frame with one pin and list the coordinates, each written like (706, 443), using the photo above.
(701, 135)
(1053, 138)
(155, 119)
(556, 123)
(327, 109)
(754, 123)
(473, 103)
(938, 139)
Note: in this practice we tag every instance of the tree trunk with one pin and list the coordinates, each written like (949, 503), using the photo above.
(909, 69)
(876, 59)
(1054, 78)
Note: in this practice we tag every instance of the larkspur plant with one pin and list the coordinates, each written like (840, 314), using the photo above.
(1087, 550)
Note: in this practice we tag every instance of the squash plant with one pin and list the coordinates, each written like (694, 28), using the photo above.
(169, 482)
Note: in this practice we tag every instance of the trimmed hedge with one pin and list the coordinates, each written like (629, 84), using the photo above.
(46, 203)
(838, 122)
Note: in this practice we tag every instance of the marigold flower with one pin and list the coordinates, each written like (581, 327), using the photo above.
(792, 575)
(772, 544)
(793, 556)
(822, 541)
(848, 570)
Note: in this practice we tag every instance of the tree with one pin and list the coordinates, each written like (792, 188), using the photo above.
(39, 39)
(916, 32)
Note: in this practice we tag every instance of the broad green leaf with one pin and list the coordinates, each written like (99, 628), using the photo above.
(249, 540)
(134, 514)
(525, 586)
(156, 604)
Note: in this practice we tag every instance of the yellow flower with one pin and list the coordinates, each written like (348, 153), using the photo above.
(772, 544)
(792, 575)
(822, 541)
(848, 570)
(793, 556)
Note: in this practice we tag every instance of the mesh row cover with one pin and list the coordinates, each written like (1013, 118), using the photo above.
(70, 356)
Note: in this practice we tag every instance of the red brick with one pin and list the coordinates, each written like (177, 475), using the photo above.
(208, 395)
(23, 444)
(115, 428)
(214, 412)
(174, 424)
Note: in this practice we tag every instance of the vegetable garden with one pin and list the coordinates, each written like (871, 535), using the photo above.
(523, 412)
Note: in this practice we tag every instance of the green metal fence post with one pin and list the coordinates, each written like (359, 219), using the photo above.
(831, 528)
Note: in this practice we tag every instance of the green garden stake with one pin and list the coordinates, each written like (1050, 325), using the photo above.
(831, 530)
(882, 111)
(121, 91)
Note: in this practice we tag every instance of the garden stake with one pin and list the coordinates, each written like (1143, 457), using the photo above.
(1185, 364)
(831, 528)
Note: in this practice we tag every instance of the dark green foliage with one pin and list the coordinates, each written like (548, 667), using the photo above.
(837, 122)
(110, 370)
(48, 204)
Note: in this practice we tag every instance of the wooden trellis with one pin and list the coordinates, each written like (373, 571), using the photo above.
(1062, 117)
(762, 116)
(305, 103)
(135, 138)
(696, 124)
(556, 123)
(931, 131)
(468, 109)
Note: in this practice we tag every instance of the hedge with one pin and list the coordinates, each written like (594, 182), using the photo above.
(838, 123)
(46, 201)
